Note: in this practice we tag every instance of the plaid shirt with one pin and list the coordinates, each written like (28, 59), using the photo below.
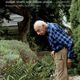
(58, 39)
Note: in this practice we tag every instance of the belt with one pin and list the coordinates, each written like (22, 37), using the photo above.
(57, 50)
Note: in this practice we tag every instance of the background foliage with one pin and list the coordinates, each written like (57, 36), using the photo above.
(75, 13)
(75, 21)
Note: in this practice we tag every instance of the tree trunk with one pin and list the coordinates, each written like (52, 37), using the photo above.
(23, 28)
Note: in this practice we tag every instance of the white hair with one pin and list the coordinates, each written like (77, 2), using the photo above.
(39, 23)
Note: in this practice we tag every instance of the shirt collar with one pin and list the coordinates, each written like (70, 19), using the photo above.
(48, 27)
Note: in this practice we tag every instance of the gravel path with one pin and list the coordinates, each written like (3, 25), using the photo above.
(70, 77)
(74, 78)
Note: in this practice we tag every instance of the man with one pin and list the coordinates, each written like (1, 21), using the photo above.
(61, 45)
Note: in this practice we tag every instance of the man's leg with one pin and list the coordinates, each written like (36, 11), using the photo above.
(60, 60)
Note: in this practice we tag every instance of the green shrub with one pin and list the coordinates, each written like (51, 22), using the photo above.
(13, 51)
(14, 67)
(76, 62)
(75, 13)
(76, 37)
(75, 21)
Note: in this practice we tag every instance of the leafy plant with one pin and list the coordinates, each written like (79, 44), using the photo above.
(41, 70)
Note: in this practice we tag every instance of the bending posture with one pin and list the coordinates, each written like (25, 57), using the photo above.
(61, 45)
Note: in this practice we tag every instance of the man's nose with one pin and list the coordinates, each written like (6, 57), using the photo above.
(38, 33)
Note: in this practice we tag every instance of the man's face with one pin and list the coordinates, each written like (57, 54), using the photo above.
(40, 30)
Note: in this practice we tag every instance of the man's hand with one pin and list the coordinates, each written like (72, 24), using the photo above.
(69, 63)
(52, 54)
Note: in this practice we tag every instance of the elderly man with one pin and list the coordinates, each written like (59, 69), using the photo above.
(61, 45)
